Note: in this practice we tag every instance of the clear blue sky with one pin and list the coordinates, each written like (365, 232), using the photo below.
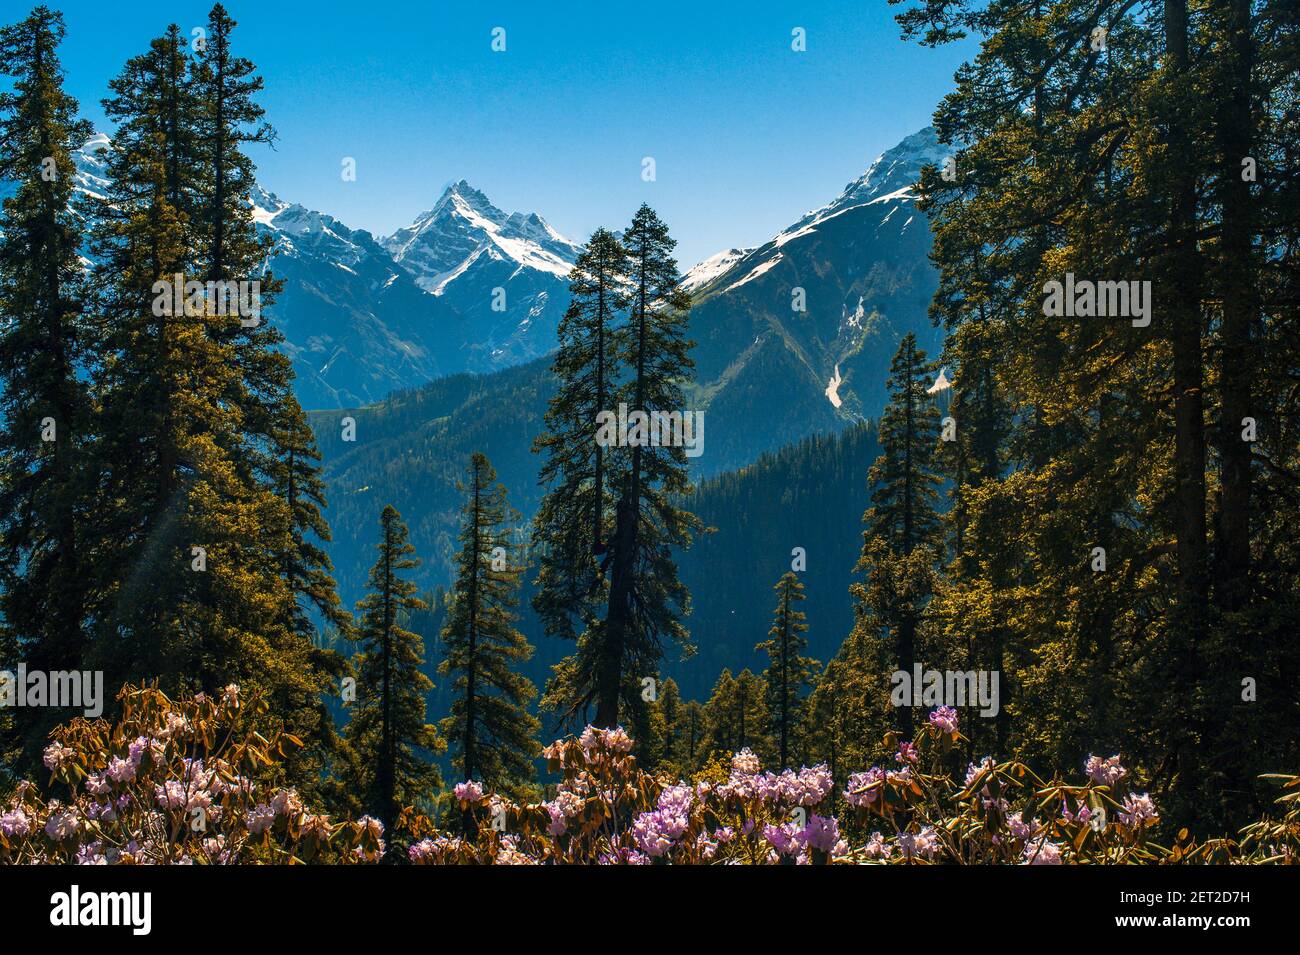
(747, 134)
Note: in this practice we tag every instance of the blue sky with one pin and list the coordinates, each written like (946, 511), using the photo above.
(746, 134)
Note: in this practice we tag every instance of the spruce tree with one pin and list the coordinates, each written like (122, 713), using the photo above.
(387, 729)
(491, 734)
(646, 598)
(789, 675)
(575, 516)
(900, 528)
(45, 409)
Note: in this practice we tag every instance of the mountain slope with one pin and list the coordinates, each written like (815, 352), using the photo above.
(860, 265)
(358, 324)
(766, 379)
(355, 324)
(464, 249)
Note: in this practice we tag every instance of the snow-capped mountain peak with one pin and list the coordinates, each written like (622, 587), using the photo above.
(897, 168)
(464, 227)
(889, 179)
(507, 274)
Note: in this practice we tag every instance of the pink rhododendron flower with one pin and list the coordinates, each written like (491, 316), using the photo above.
(923, 844)
(15, 824)
(973, 770)
(876, 848)
(1139, 811)
(862, 787)
(61, 824)
(469, 791)
(56, 754)
(260, 818)
(1021, 829)
(945, 718)
(287, 802)
(1043, 852)
(120, 770)
(782, 838)
(1105, 772)
(745, 763)
(821, 832)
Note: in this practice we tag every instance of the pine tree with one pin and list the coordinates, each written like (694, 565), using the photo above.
(789, 675)
(45, 412)
(900, 535)
(1079, 157)
(387, 730)
(574, 517)
(491, 734)
(645, 595)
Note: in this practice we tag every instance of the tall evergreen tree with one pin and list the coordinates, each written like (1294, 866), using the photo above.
(789, 675)
(491, 734)
(607, 576)
(45, 410)
(387, 729)
(646, 597)
(900, 535)
(575, 516)
(1129, 442)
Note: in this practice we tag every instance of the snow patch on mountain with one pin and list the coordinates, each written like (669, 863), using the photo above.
(708, 270)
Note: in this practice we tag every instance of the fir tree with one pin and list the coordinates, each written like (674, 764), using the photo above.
(491, 734)
(45, 411)
(901, 526)
(645, 595)
(387, 730)
(789, 674)
(574, 517)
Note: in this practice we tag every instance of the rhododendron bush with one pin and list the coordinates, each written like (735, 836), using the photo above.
(174, 782)
(913, 812)
(193, 782)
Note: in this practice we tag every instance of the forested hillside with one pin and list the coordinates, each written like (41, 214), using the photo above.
(410, 449)
(1040, 609)
(811, 496)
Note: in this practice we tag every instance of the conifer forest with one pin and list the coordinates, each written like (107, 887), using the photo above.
(403, 542)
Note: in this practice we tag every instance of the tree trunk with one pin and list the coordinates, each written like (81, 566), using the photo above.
(1240, 308)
